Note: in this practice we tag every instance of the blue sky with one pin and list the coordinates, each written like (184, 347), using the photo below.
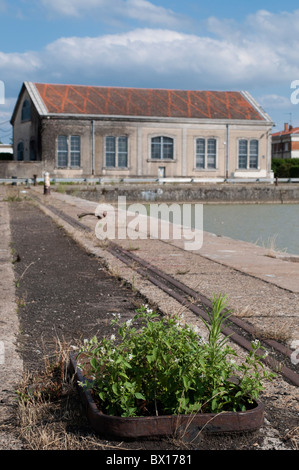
(188, 44)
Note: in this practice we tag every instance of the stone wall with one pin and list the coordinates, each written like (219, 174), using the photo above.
(8, 169)
(211, 193)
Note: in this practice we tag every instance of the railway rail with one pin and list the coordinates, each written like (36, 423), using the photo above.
(239, 331)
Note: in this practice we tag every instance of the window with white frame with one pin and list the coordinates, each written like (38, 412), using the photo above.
(248, 154)
(68, 151)
(75, 150)
(162, 148)
(116, 151)
(206, 153)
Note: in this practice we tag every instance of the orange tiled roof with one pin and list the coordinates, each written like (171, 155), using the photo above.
(91, 100)
(294, 130)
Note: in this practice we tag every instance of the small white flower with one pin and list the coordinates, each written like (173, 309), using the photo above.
(130, 357)
(116, 315)
(112, 337)
(194, 328)
(129, 322)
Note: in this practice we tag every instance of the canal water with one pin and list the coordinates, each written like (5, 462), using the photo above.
(270, 225)
(273, 226)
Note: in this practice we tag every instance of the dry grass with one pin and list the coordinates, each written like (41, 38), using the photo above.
(277, 332)
(272, 248)
(50, 412)
(244, 312)
(45, 405)
(293, 436)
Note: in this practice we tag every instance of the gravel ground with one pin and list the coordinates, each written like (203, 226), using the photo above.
(64, 292)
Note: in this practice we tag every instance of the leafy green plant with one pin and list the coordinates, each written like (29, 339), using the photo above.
(282, 167)
(160, 365)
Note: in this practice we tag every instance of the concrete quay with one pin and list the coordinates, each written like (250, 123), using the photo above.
(278, 268)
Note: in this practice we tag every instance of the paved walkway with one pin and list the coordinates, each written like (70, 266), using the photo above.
(10, 362)
(279, 269)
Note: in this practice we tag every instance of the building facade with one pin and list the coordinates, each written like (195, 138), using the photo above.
(285, 144)
(81, 131)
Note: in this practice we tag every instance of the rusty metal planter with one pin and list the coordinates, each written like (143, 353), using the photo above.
(168, 425)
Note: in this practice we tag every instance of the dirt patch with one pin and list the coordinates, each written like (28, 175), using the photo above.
(62, 292)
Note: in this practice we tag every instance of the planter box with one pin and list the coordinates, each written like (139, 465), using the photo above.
(169, 425)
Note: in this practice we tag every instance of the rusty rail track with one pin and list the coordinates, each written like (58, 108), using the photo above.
(238, 330)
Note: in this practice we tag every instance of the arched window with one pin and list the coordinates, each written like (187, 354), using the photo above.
(20, 152)
(26, 111)
(162, 148)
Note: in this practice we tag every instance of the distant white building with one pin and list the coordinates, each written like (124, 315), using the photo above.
(285, 144)
(6, 148)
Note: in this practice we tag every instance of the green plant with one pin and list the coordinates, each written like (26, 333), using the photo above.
(162, 366)
(294, 171)
(282, 167)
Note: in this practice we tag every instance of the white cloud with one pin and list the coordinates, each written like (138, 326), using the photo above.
(196, 61)
(145, 11)
(274, 101)
(146, 56)
(15, 67)
(254, 54)
(73, 7)
(140, 10)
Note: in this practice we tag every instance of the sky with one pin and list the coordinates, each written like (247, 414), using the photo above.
(173, 44)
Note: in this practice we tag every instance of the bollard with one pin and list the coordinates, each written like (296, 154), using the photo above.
(46, 183)
(34, 180)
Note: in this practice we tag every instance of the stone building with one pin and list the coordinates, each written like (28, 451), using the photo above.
(83, 131)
